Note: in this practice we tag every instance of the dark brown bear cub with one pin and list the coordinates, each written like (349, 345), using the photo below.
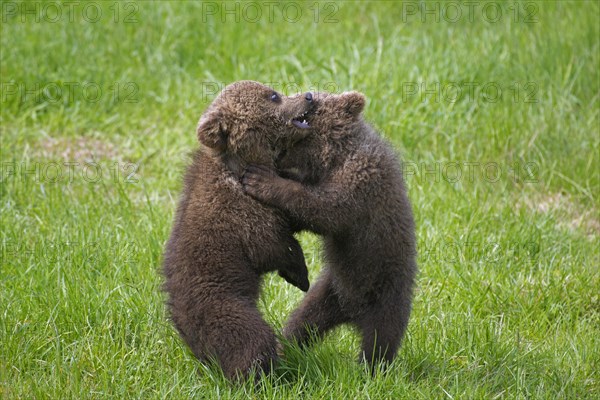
(351, 191)
(223, 240)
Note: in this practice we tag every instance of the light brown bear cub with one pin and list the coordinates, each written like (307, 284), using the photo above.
(223, 240)
(351, 191)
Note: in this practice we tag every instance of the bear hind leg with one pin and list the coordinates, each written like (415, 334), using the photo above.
(382, 330)
(238, 339)
(318, 313)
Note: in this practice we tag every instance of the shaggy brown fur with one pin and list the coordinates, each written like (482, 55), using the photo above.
(352, 192)
(223, 240)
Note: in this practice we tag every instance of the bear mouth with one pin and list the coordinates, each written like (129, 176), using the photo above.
(302, 121)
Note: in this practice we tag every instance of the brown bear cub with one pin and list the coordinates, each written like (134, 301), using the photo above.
(223, 240)
(347, 185)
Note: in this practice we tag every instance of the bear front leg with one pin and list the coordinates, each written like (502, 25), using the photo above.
(292, 267)
(327, 208)
(266, 186)
(318, 313)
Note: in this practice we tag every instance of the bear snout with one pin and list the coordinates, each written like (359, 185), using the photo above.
(309, 97)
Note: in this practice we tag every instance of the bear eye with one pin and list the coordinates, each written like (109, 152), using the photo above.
(274, 97)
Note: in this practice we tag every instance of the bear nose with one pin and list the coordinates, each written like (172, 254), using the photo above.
(308, 97)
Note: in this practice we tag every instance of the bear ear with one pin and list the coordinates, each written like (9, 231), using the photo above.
(212, 131)
(353, 102)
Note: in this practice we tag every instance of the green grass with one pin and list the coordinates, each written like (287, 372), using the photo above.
(507, 304)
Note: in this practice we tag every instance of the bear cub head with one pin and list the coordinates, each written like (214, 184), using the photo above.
(333, 120)
(253, 123)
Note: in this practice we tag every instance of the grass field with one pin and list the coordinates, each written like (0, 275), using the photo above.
(494, 108)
